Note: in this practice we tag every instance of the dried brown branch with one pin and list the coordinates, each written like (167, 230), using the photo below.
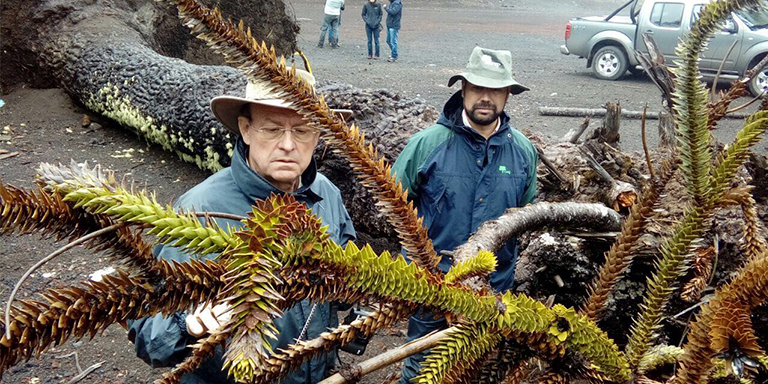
(619, 257)
(47, 213)
(720, 70)
(48, 258)
(719, 109)
(702, 270)
(91, 307)
(754, 242)
(746, 291)
(645, 145)
(280, 364)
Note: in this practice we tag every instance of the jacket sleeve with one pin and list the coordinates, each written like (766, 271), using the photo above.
(161, 341)
(346, 227)
(415, 154)
(394, 8)
(379, 14)
(406, 167)
(530, 186)
(364, 8)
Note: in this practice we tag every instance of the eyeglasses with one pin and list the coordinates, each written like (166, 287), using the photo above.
(300, 134)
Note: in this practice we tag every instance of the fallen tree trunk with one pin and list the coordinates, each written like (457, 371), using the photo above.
(599, 112)
(121, 70)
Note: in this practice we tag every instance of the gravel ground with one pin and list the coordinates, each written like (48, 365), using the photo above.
(436, 39)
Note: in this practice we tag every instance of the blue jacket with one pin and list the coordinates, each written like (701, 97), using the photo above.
(394, 14)
(459, 180)
(162, 341)
(372, 14)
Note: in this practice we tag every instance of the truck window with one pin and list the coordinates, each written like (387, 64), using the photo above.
(696, 11)
(668, 15)
(728, 24)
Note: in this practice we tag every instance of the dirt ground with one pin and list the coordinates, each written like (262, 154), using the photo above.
(437, 36)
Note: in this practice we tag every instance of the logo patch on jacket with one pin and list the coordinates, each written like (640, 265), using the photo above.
(503, 169)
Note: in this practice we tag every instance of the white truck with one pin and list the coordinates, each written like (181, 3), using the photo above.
(608, 42)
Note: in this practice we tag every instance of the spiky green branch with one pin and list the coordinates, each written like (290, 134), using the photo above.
(177, 229)
(706, 185)
(455, 353)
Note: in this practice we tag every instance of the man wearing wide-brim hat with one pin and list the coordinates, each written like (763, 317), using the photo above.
(273, 154)
(469, 168)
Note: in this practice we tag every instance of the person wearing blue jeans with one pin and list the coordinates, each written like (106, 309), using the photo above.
(466, 169)
(372, 16)
(394, 14)
(331, 23)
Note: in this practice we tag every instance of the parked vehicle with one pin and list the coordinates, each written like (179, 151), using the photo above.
(608, 42)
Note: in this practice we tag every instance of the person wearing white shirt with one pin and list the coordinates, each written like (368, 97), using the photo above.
(331, 23)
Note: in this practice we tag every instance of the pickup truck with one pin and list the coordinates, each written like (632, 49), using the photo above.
(608, 42)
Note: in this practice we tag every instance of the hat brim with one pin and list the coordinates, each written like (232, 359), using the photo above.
(485, 82)
(227, 109)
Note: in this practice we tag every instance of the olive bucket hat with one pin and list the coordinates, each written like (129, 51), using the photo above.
(490, 69)
(227, 108)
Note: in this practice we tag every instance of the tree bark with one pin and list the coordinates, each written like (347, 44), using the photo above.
(393, 355)
(491, 235)
(599, 112)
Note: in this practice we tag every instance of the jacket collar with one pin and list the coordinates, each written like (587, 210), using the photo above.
(451, 118)
(255, 186)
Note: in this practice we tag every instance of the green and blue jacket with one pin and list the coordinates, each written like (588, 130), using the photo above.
(458, 180)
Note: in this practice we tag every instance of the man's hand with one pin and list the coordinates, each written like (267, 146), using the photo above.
(206, 319)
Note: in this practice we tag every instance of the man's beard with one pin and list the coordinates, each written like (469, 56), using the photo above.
(472, 114)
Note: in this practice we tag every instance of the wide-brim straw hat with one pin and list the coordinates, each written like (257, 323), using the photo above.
(489, 68)
(227, 108)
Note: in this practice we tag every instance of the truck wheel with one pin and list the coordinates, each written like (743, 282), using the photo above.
(609, 63)
(759, 83)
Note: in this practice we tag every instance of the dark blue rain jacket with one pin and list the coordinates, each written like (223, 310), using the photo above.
(459, 180)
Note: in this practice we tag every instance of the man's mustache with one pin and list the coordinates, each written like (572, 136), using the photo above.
(484, 105)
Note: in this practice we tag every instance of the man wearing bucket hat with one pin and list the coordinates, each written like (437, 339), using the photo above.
(273, 154)
(466, 169)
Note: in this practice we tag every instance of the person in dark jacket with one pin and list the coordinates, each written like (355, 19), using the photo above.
(372, 16)
(273, 154)
(394, 14)
(466, 169)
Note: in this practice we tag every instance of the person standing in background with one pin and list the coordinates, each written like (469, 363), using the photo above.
(331, 23)
(372, 16)
(468, 168)
(394, 14)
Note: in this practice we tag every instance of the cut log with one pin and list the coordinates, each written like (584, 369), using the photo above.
(600, 112)
(575, 133)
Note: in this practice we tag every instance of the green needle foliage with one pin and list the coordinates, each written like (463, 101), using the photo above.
(392, 279)
(457, 353)
(705, 184)
(659, 356)
(177, 229)
(480, 265)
